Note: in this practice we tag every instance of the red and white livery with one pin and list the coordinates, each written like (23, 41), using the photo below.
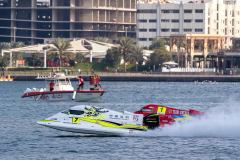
(159, 115)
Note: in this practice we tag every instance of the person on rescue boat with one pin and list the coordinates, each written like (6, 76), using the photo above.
(80, 82)
(51, 86)
(97, 82)
(94, 82)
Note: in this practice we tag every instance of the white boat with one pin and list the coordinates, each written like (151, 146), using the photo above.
(100, 121)
(62, 90)
(93, 120)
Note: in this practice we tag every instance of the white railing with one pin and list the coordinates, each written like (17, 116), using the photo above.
(164, 69)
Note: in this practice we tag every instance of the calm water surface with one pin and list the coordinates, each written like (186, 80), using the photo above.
(215, 136)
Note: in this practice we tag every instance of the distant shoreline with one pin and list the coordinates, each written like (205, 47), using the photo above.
(140, 77)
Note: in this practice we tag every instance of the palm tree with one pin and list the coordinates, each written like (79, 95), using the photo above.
(112, 57)
(180, 44)
(61, 45)
(125, 48)
(137, 56)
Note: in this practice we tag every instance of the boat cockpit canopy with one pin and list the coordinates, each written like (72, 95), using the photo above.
(73, 112)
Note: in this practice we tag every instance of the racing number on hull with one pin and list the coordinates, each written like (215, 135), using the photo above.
(161, 110)
(75, 120)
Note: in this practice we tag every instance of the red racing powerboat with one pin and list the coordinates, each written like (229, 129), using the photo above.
(155, 115)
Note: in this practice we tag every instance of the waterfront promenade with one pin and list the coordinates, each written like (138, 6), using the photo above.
(151, 77)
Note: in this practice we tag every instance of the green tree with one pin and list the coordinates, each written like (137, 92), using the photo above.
(35, 60)
(5, 45)
(61, 45)
(180, 43)
(3, 61)
(160, 53)
(3, 64)
(158, 43)
(79, 58)
(137, 56)
(126, 48)
(17, 44)
(113, 57)
(158, 57)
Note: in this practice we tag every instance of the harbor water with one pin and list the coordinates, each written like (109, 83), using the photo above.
(216, 135)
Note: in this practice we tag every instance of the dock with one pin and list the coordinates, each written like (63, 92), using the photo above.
(153, 77)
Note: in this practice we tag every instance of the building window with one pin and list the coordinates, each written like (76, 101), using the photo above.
(187, 11)
(152, 20)
(198, 11)
(152, 30)
(175, 30)
(170, 11)
(175, 21)
(142, 39)
(198, 30)
(147, 11)
(165, 11)
(187, 30)
(165, 20)
(187, 20)
(175, 11)
(165, 30)
(150, 39)
(142, 20)
(142, 30)
(198, 20)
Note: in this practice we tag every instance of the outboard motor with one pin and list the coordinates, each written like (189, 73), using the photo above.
(151, 121)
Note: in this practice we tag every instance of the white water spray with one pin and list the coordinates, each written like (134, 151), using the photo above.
(221, 121)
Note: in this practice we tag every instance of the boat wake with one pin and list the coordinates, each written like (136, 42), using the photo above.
(220, 121)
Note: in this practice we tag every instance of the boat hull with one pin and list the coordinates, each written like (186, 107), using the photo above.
(86, 96)
(90, 128)
(81, 95)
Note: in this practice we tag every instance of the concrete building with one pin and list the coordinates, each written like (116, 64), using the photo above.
(196, 50)
(161, 19)
(33, 21)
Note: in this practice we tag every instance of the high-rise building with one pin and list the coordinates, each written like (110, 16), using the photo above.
(162, 18)
(33, 21)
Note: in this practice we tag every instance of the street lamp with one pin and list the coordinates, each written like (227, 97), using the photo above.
(126, 31)
(14, 34)
(45, 50)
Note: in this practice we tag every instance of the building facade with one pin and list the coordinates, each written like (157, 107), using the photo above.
(33, 21)
(162, 19)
